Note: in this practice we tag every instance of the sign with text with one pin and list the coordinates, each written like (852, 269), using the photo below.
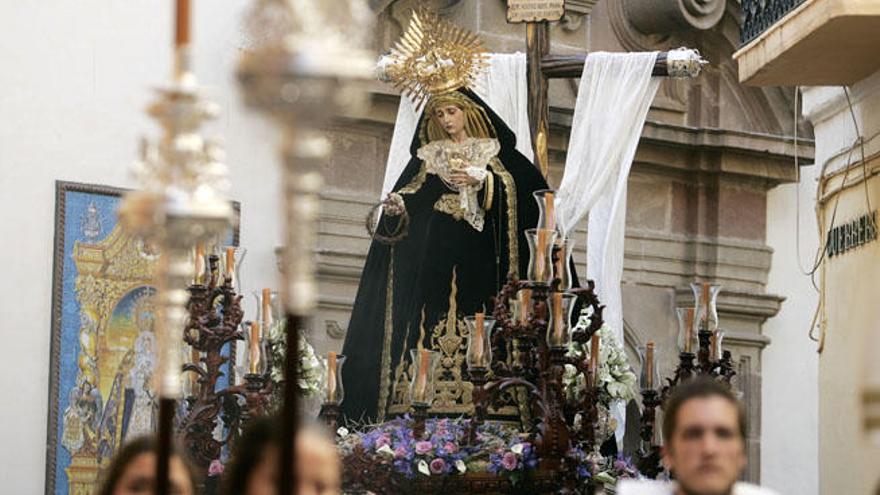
(851, 235)
(535, 10)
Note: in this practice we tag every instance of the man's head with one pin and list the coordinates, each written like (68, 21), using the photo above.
(704, 431)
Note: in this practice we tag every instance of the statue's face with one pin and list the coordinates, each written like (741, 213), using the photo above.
(451, 119)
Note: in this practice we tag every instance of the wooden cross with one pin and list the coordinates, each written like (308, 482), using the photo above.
(542, 66)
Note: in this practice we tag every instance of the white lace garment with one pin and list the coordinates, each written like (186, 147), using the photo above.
(471, 156)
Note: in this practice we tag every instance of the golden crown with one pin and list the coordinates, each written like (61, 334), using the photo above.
(434, 57)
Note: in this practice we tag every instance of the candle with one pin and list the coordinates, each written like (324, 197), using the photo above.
(331, 377)
(230, 264)
(594, 356)
(199, 264)
(540, 261)
(267, 308)
(479, 319)
(525, 300)
(689, 330)
(549, 210)
(182, 23)
(421, 388)
(649, 365)
(254, 350)
(705, 314)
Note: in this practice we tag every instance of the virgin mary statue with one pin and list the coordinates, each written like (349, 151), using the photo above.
(467, 193)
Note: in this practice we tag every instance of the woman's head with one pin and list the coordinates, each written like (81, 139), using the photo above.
(254, 467)
(133, 471)
(454, 115)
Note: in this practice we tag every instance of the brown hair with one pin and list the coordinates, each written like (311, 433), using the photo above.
(699, 388)
(127, 454)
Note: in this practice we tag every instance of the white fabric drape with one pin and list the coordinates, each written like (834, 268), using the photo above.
(502, 87)
(614, 96)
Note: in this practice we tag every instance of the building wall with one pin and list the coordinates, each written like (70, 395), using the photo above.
(790, 416)
(848, 462)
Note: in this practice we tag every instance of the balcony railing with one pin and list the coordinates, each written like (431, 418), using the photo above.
(759, 15)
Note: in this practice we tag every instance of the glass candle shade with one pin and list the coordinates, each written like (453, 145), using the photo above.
(334, 394)
(562, 265)
(268, 308)
(649, 378)
(716, 350)
(421, 389)
(540, 255)
(479, 344)
(546, 199)
(688, 340)
(705, 308)
(256, 348)
(560, 306)
(521, 306)
(231, 258)
(199, 258)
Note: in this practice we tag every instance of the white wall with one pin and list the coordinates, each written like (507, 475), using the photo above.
(76, 76)
(789, 416)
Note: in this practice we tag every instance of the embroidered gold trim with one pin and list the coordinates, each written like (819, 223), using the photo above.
(450, 204)
(385, 366)
(416, 183)
(490, 191)
(510, 195)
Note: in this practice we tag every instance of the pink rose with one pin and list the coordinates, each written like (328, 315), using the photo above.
(508, 461)
(400, 452)
(451, 447)
(423, 447)
(383, 440)
(216, 468)
(438, 465)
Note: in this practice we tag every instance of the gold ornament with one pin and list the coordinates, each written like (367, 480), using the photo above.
(434, 57)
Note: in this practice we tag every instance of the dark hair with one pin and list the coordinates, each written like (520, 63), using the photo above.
(130, 451)
(699, 388)
(250, 450)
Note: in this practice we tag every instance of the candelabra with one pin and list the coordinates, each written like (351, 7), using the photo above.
(698, 331)
(539, 328)
(215, 316)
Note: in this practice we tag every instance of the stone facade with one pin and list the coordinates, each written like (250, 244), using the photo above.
(710, 151)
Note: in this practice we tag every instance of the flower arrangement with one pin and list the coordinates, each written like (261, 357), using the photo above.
(616, 380)
(595, 466)
(498, 449)
(311, 369)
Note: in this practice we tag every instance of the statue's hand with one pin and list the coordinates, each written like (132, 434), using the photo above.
(461, 178)
(394, 205)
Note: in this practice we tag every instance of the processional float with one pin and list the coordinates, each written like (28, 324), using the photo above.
(532, 317)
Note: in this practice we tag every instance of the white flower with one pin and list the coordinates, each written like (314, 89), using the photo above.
(459, 464)
(423, 468)
(517, 449)
(385, 449)
(342, 431)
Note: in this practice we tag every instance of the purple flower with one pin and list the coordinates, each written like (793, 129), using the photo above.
(620, 465)
(508, 461)
(216, 468)
(423, 447)
(438, 465)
